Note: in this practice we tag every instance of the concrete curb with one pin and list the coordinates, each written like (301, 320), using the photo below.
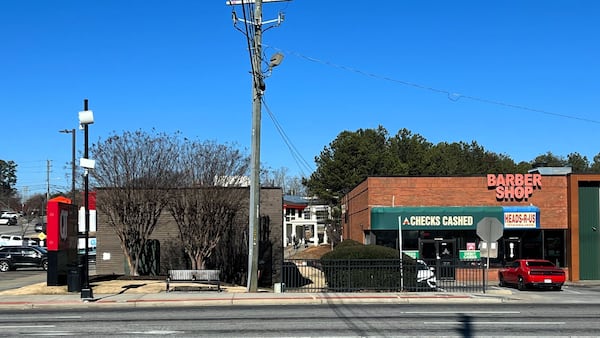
(184, 299)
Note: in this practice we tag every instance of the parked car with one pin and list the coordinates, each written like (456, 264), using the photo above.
(524, 273)
(7, 219)
(13, 257)
(9, 214)
(12, 240)
(39, 227)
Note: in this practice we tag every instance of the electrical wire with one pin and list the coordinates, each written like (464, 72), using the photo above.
(450, 95)
(249, 34)
(303, 165)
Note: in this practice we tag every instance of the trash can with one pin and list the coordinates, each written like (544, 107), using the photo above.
(74, 279)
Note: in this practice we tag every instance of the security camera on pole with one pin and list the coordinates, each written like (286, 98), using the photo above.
(86, 117)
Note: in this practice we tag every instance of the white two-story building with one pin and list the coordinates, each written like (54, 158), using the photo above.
(304, 221)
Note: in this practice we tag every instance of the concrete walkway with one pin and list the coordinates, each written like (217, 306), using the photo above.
(215, 298)
(237, 296)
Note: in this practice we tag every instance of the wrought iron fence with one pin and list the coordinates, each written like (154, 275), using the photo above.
(381, 275)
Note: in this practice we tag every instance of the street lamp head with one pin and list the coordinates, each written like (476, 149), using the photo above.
(275, 60)
(86, 117)
(66, 131)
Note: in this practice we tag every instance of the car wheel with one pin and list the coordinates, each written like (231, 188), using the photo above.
(557, 288)
(45, 265)
(4, 266)
(521, 284)
(502, 282)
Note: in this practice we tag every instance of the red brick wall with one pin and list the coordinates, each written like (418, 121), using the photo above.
(551, 198)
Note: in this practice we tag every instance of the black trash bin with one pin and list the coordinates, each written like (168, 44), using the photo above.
(74, 279)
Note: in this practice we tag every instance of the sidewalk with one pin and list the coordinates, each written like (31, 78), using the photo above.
(152, 293)
(215, 298)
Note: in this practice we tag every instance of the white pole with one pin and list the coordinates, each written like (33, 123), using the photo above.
(400, 248)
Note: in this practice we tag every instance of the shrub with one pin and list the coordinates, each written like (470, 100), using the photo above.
(347, 243)
(355, 266)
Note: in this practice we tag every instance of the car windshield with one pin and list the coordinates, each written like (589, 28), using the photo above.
(539, 264)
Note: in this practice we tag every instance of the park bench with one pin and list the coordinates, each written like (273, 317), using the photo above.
(194, 276)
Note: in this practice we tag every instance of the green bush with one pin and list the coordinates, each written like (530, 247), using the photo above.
(347, 243)
(355, 266)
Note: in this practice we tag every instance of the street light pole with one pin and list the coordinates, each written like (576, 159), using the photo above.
(85, 119)
(258, 88)
(72, 132)
(257, 92)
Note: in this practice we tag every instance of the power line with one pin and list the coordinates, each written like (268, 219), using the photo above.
(450, 95)
(298, 158)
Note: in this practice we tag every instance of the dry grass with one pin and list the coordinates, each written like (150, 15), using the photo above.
(312, 252)
(113, 287)
(117, 286)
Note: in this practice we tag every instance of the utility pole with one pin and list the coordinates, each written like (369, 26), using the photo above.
(258, 88)
(47, 180)
(257, 92)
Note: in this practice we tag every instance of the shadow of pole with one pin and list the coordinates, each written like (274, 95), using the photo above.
(466, 329)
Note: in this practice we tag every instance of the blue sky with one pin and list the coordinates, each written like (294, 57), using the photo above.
(518, 77)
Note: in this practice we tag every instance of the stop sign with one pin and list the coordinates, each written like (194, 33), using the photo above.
(489, 229)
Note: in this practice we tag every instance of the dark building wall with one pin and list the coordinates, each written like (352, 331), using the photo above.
(111, 260)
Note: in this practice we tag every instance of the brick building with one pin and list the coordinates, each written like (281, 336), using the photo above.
(547, 213)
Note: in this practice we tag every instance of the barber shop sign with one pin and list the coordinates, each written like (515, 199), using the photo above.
(514, 187)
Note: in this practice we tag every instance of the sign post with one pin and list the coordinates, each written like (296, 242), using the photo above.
(489, 229)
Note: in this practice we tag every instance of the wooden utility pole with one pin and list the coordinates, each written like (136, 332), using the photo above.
(258, 88)
(257, 91)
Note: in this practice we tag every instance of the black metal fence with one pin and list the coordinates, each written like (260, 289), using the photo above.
(381, 275)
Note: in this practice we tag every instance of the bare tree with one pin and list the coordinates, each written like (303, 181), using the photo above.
(291, 185)
(33, 209)
(206, 206)
(133, 177)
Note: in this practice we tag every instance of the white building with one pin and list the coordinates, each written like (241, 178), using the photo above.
(304, 221)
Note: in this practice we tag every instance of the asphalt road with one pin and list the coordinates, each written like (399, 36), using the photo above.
(333, 320)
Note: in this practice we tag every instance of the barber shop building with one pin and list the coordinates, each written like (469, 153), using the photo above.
(548, 213)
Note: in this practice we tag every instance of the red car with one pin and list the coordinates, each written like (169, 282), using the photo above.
(532, 272)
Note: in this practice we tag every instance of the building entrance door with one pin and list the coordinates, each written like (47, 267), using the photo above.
(440, 253)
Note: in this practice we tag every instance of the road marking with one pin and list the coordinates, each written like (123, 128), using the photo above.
(495, 323)
(25, 326)
(460, 312)
(51, 317)
(154, 332)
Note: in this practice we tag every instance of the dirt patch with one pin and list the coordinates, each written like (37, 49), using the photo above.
(117, 285)
(312, 252)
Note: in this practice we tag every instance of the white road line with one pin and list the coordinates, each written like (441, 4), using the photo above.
(25, 326)
(494, 323)
(460, 312)
(51, 317)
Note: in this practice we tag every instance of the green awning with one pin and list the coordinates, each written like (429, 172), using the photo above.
(431, 218)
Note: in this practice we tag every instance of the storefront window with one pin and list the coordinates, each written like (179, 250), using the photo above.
(543, 244)
(554, 246)
(515, 244)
